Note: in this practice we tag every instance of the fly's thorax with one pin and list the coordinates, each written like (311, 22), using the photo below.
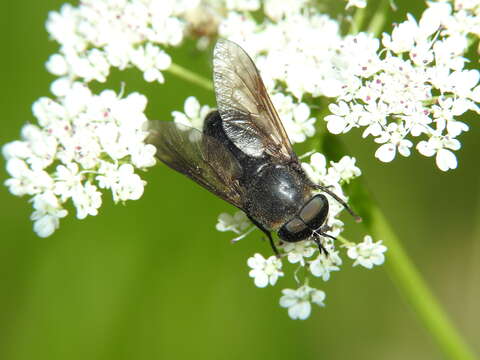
(276, 194)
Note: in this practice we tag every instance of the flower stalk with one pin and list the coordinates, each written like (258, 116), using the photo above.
(406, 277)
(190, 76)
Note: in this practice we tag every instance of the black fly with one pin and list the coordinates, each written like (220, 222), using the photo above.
(244, 156)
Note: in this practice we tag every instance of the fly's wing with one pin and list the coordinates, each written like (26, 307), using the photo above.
(249, 118)
(200, 157)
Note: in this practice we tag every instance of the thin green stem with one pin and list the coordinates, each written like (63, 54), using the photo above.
(379, 18)
(409, 281)
(357, 20)
(190, 76)
(344, 241)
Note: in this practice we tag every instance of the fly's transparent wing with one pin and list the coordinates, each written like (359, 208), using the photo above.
(200, 157)
(249, 118)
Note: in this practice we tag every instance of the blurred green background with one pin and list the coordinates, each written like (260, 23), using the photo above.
(154, 279)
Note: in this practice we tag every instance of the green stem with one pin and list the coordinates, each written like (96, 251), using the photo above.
(379, 18)
(404, 274)
(357, 20)
(190, 76)
(344, 241)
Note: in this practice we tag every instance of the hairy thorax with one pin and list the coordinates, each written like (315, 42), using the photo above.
(275, 195)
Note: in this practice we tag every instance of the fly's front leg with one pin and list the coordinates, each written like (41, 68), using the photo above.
(268, 233)
(318, 241)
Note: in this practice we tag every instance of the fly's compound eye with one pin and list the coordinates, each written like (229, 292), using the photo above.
(294, 230)
(315, 212)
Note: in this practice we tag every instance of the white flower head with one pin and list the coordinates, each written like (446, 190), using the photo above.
(367, 253)
(299, 301)
(265, 271)
(76, 149)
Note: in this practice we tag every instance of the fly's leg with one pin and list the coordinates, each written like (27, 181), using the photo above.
(268, 233)
(321, 232)
(321, 248)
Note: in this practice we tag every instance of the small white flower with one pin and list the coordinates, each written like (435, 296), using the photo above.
(298, 251)
(302, 125)
(441, 146)
(265, 271)
(323, 265)
(339, 122)
(67, 180)
(298, 301)
(367, 253)
(129, 186)
(193, 116)
(25, 181)
(317, 168)
(48, 212)
(237, 223)
(394, 139)
(151, 60)
(57, 65)
(346, 168)
(403, 36)
(87, 199)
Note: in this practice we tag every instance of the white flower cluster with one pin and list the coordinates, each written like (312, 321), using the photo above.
(415, 87)
(98, 35)
(408, 89)
(305, 253)
(82, 143)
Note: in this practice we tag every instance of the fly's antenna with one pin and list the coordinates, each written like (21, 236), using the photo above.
(345, 205)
